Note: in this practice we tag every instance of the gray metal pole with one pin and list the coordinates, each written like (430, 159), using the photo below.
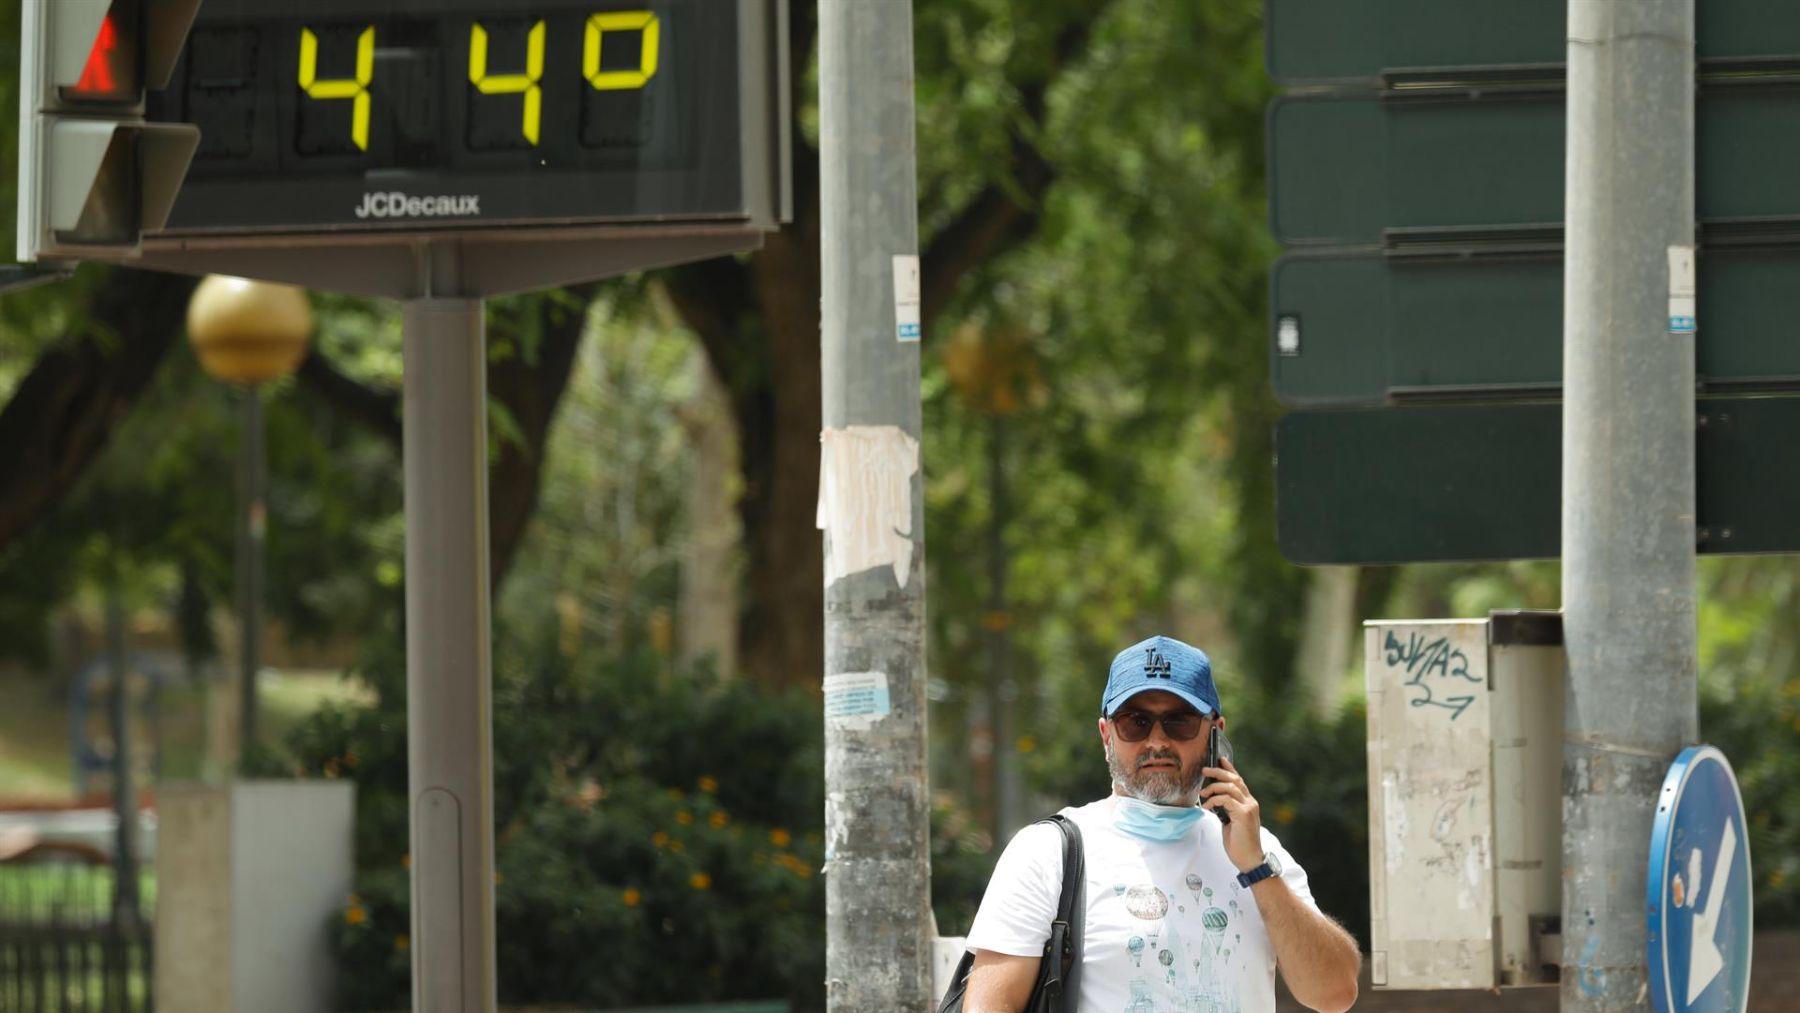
(877, 894)
(448, 661)
(1628, 523)
(252, 524)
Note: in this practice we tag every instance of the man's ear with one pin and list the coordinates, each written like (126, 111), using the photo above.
(1220, 721)
(1105, 734)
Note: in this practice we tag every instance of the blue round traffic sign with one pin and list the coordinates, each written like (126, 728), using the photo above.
(1699, 889)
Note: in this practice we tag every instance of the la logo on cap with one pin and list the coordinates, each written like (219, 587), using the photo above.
(1155, 665)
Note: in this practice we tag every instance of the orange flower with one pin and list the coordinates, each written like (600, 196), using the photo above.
(780, 838)
(708, 783)
(355, 915)
(718, 819)
(402, 943)
(700, 881)
(631, 896)
(659, 839)
(684, 817)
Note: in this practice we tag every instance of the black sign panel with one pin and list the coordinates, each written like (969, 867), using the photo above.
(1483, 482)
(1369, 329)
(1361, 169)
(1344, 41)
(371, 115)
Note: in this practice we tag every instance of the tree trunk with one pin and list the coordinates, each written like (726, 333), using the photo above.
(783, 643)
(1327, 633)
(63, 412)
(708, 623)
(529, 388)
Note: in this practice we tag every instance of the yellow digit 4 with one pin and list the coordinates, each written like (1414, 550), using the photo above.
(621, 21)
(356, 90)
(511, 84)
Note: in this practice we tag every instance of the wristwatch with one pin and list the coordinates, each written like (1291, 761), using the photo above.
(1271, 866)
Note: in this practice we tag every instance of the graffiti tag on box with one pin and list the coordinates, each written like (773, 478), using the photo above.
(1436, 671)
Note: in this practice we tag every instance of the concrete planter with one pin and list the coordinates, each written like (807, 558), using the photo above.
(249, 876)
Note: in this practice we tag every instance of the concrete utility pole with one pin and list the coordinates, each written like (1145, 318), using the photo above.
(877, 895)
(1628, 520)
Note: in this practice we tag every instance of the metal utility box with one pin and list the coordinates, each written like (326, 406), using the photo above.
(1465, 795)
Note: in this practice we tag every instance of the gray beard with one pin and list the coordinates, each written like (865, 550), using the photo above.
(1158, 787)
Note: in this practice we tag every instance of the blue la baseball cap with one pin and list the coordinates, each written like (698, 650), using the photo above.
(1161, 663)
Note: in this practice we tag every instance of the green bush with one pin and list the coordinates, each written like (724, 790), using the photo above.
(657, 837)
(1757, 726)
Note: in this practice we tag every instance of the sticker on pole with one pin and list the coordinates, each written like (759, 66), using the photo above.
(907, 297)
(1683, 291)
(1698, 896)
(856, 700)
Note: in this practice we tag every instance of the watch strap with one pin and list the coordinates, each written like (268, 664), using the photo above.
(1255, 876)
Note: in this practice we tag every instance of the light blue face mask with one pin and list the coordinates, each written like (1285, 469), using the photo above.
(1149, 822)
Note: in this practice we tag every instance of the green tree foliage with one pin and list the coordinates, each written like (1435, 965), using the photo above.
(1141, 485)
(1750, 709)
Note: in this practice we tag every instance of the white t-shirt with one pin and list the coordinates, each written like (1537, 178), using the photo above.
(1169, 930)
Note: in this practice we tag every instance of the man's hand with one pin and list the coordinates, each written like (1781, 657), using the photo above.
(1243, 835)
(1316, 956)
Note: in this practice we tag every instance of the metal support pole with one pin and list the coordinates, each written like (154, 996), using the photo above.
(1628, 521)
(252, 523)
(448, 661)
(877, 896)
(125, 888)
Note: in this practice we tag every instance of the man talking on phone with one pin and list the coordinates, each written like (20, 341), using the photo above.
(1190, 905)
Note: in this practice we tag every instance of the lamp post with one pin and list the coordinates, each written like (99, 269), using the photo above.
(247, 333)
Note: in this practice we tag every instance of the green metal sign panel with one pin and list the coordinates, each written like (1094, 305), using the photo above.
(1356, 41)
(1351, 170)
(1477, 482)
(1368, 329)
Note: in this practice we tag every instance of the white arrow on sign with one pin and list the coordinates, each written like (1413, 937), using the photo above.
(1704, 959)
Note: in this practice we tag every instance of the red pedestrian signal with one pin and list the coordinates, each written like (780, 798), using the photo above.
(110, 73)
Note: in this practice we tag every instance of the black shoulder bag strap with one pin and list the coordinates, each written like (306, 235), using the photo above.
(1059, 980)
(1059, 970)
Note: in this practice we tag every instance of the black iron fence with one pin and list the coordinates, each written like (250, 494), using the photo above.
(67, 945)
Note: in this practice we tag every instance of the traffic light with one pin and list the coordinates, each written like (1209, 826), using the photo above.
(93, 175)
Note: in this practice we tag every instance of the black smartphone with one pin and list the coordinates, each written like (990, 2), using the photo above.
(1217, 747)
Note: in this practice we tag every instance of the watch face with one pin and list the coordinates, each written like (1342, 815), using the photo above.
(1273, 861)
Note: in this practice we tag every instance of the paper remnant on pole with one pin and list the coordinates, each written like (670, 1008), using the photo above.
(865, 500)
(1683, 291)
(907, 297)
(856, 699)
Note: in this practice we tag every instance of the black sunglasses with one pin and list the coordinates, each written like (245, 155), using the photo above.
(1135, 726)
